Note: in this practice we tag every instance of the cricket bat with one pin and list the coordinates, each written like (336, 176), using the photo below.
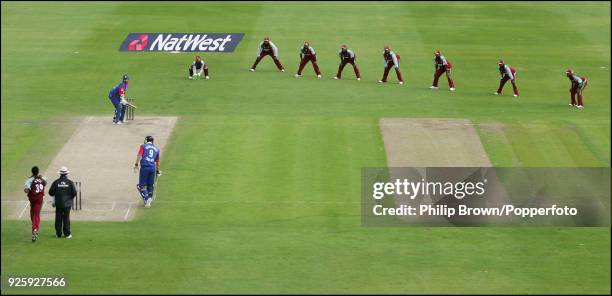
(131, 105)
(155, 185)
(127, 103)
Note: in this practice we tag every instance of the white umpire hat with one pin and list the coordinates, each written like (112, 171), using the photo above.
(63, 170)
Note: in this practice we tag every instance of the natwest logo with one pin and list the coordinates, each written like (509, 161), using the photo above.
(140, 43)
(201, 42)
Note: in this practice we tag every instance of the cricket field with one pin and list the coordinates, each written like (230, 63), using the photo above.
(261, 184)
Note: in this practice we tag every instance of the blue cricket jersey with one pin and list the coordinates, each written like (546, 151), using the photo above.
(116, 92)
(150, 155)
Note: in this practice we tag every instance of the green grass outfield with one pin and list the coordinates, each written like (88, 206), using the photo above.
(262, 175)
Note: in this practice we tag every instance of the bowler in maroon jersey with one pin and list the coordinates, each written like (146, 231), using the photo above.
(34, 187)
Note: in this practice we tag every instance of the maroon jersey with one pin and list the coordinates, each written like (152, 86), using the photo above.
(346, 55)
(505, 70)
(442, 63)
(266, 46)
(575, 79)
(307, 52)
(391, 58)
(388, 56)
(37, 187)
(198, 64)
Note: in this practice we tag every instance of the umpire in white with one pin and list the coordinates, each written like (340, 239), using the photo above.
(63, 192)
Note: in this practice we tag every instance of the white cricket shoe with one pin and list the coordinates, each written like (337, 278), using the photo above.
(207, 77)
(336, 78)
(69, 237)
(282, 70)
(297, 75)
(433, 87)
(452, 89)
(580, 107)
(401, 83)
(496, 93)
(252, 70)
(380, 81)
(118, 123)
(358, 78)
(319, 76)
(148, 202)
(571, 105)
(515, 96)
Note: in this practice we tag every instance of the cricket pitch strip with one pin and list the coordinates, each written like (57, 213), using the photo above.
(101, 156)
(432, 142)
